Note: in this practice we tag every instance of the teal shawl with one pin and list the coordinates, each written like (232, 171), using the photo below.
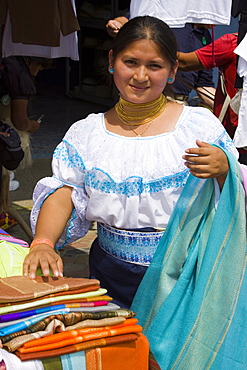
(192, 301)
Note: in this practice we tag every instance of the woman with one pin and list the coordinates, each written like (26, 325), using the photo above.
(17, 86)
(126, 168)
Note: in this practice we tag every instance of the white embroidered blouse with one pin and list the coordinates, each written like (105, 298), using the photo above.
(125, 182)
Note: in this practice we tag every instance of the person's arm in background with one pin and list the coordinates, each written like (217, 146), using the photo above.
(201, 58)
(114, 25)
(19, 117)
(18, 75)
(189, 61)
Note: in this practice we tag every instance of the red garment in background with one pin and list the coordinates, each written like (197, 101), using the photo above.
(226, 60)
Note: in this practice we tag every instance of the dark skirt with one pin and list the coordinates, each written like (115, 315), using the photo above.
(120, 278)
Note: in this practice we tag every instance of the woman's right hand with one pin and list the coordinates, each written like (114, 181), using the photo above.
(35, 125)
(46, 258)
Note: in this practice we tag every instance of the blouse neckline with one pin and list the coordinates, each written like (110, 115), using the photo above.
(142, 137)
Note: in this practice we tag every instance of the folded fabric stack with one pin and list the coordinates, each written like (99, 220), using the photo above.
(4, 236)
(63, 320)
(13, 253)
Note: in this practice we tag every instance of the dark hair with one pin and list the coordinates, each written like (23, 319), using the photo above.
(146, 28)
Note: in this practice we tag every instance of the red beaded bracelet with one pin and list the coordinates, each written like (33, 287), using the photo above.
(41, 241)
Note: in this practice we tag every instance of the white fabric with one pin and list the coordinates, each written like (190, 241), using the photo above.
(12, 362)
(236, 100)
(126, 182)
(176, 12)
(241, 49)
(68, 45)
(240, 137)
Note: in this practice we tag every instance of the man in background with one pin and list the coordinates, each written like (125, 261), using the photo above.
(223, 57)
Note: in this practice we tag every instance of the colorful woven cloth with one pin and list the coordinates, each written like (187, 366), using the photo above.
(52, 363)
(125, 338)
(68, 319)
(10, 323)
(54, 326)
(153, 363)
(8, 238)
(21, 315)
(26, 324)
(20, 288)
(75, 360)
(12, 257)
(65, 301)
(57, 326)
(47, 301)
(192, 300)
(55, 338)
(13, 252)
(87, 299)
(64, 339)
(95, 309)
(97, 323)
(131, 355)
(126, 355)
(108, 307)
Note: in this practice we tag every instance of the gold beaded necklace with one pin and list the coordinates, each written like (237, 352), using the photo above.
(132, 114)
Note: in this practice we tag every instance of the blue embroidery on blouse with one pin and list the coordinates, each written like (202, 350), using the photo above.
(68, 183)
(224, 141)
(133, 185)
(71, 159)
(70, 228)
(49, 193)
(225, 144)
(97, 179)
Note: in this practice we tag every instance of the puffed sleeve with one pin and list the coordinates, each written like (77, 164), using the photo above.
(68, 169)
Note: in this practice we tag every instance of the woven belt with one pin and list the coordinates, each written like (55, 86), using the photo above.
(129, 246)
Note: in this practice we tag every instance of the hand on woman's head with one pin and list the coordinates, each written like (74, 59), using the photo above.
(113, 26)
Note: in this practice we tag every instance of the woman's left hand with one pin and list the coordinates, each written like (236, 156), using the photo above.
(207, 161)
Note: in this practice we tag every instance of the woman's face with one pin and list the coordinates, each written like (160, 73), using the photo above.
(141, 71)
